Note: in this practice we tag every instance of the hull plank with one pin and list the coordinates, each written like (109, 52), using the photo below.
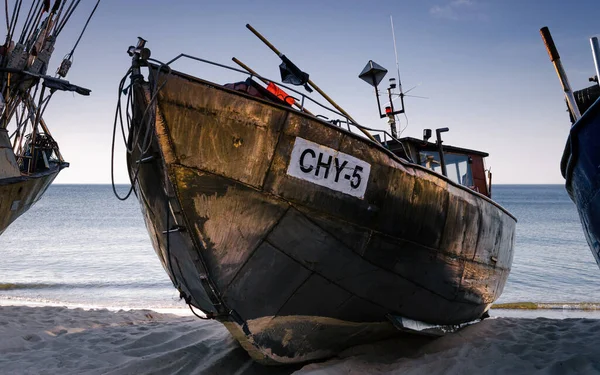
(236, 140)
(298, 270)
(425, 266)
(352, 236)
(428, 209)
(315, 249)
(228, 219)
(462, 225)
(495, 233)
(253, 294)
(329, 302)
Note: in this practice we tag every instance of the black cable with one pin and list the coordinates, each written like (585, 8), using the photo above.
(83, 31)
(27, 21)
(7, 21)
(112, 156)
(13, 21)
(198, 316)
(67, 16)
(58, 14)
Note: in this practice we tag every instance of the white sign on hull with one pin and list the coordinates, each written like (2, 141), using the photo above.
(330, 168)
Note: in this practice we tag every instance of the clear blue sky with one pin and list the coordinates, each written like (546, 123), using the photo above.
(482, 65)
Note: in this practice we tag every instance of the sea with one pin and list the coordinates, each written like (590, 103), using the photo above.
(80, 246)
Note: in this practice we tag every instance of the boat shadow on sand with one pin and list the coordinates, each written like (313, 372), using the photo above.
(61, 340)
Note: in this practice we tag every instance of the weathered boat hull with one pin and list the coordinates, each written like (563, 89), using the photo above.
(297, 271)
(581, 168)
(18, 194)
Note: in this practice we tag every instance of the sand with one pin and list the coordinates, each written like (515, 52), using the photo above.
(60, 340)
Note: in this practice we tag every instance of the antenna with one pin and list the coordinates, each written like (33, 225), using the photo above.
(396, 53)
(373, 73)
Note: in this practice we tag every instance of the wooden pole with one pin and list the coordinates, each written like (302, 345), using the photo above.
(311, 83)
(266, 82)
(560, 71)
(596, 55)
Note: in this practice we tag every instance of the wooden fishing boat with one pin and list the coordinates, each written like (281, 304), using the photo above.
(301, 237)
(580, 163)
(30, 158)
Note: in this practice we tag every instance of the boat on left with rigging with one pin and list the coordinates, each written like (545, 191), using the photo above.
(30, 158)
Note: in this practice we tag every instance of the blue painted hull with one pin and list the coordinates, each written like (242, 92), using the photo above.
(580, 166)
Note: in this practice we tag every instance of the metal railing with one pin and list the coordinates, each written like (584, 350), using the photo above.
(341, 121)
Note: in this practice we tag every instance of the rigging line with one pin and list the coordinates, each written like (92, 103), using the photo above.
(23, 127)
(15, 18)
(16, 133)
(146, 143)
(18, 124)
(34, 131)
(148, 136)
(7, 22)
(59, 22)
(118, 109)
(82, 31)
(67, 17)
(27, 20)
(147, 140)
(127, 120)
(39, 10)
(128, 117)
(112, 156)
(58, 15)
(35, 19)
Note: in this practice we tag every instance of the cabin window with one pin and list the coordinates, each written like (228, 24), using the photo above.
(430, 160)
(458, 166)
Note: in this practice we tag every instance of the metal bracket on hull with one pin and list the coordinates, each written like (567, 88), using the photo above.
(145, 160)
(421, 328)
(176, 228)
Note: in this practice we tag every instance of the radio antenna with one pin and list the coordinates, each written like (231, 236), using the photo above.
(401, 94)
(396, 53)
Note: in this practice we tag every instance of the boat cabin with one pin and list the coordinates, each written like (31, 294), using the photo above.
(463, 166)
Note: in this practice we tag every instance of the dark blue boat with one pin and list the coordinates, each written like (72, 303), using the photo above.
(580, 165)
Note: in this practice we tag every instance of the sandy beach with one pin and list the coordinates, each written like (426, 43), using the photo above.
(60, 340)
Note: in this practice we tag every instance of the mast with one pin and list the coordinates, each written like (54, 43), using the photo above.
(560, 71)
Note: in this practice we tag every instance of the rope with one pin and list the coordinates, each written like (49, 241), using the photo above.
(112, 156)
(70, 56)
(26, 23)
(144, 147)
(198, 316)
(67, 16)
(7, 21)
(58, 14)
(14, 19)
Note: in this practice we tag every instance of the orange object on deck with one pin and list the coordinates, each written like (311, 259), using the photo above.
(275, 90)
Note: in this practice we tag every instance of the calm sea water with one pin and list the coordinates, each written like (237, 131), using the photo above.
(81, 246)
